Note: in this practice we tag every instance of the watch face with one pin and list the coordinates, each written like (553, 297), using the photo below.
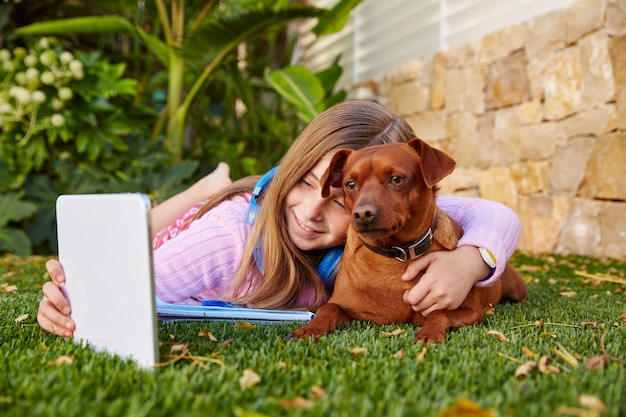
(487, 257)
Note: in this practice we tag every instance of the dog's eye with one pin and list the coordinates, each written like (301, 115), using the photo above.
(350, 185)
(395, 180)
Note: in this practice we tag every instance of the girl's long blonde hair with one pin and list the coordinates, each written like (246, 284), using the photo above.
(286, 269)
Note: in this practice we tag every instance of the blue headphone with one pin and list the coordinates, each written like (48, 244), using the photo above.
(328, 266)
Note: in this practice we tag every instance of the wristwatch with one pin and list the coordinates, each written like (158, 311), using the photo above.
(489, 259)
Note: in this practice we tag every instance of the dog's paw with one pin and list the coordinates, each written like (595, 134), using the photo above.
(303, 333)
(430, 337)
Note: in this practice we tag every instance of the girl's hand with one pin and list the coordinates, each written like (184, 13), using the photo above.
(54, 308)
(449, 276)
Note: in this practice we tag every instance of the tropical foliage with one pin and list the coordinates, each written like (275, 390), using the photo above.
(181, 85)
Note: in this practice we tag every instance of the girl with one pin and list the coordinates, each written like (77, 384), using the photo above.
(267, 258)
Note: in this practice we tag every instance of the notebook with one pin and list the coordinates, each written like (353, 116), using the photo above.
(104, 245)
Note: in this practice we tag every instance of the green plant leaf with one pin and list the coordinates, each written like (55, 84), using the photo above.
(15, 241)
(300, 87)
(97, 24)
(336, 18)
(13, 208)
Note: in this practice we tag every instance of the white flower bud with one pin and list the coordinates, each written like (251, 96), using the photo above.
(19, 52)
(56, 104)
(5, 108)
(76, 68)
(44, 43)
(30, 60)
(47, 57)
(5, 55)
(20, 78)
(20, 94)
(65, 93)
(32, 74)
(66, 57)
(38, 96)
(57, 120)
(8, 66)
(47, 78)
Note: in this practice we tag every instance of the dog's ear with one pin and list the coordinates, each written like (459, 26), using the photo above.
(435, 164)
(332, 176)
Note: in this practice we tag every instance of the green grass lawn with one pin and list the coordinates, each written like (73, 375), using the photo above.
(567, 345)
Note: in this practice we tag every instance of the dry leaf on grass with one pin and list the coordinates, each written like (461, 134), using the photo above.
(498, 334)
(396, 332)
(399, 354)
(422, 354)
(466, 408)
(63, 360)
(249, 379)
(9, 289)
(357, 350)
(22, 318)
(596, 362)
(568, 293)
(592, 402)
(206, 333)
(317, 392)
(529, 353)
(298, 403)
(244, 325)
(544, 366)
(523, 370)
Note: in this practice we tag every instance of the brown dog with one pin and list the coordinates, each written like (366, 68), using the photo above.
(390, 191)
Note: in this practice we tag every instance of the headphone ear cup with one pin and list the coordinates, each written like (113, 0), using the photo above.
(329, 266)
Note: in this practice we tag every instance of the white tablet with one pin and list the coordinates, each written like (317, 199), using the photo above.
(105, 250)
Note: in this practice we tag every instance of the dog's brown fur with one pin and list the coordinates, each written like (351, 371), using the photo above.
(391, 192)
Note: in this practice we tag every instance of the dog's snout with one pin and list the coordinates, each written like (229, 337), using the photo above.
(365, 214)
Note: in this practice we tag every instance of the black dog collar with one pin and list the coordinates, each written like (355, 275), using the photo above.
(411, 251)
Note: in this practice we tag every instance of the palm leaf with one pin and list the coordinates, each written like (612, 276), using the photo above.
(336, 18)
(93, 24)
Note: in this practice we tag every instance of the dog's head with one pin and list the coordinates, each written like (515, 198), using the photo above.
(389, 189)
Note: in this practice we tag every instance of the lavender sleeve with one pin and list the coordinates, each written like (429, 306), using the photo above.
(486, 224)
(200, 262)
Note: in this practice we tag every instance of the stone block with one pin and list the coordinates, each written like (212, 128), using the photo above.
(465, 90)
(438, 88)
(502, 43)
(613, 229)
(462, 180)
(617, 51)
(597, 122)
(562, 79)
(530, 112)
(539, 141)
(534, 72)
(529, 177)
(569, 165)
(463, 55)
(546, 33)
(429, 125)
(583, 17)
(542, 218)
(604, 178)
(616, 17)
(463, 130)
(506, 136)
(596, 70)
(408, 98)
(581, 234)
(497, 184)
(506, 82)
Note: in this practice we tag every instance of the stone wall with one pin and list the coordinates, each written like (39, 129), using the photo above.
(535, 116)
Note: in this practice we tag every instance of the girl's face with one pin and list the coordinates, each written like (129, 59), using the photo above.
(314, 222)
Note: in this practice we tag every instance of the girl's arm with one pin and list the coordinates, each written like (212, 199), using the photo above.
(450, 275)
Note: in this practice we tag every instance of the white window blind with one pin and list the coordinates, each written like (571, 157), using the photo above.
(385, 34)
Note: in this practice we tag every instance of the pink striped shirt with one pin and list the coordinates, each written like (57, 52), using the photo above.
(198, 261)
